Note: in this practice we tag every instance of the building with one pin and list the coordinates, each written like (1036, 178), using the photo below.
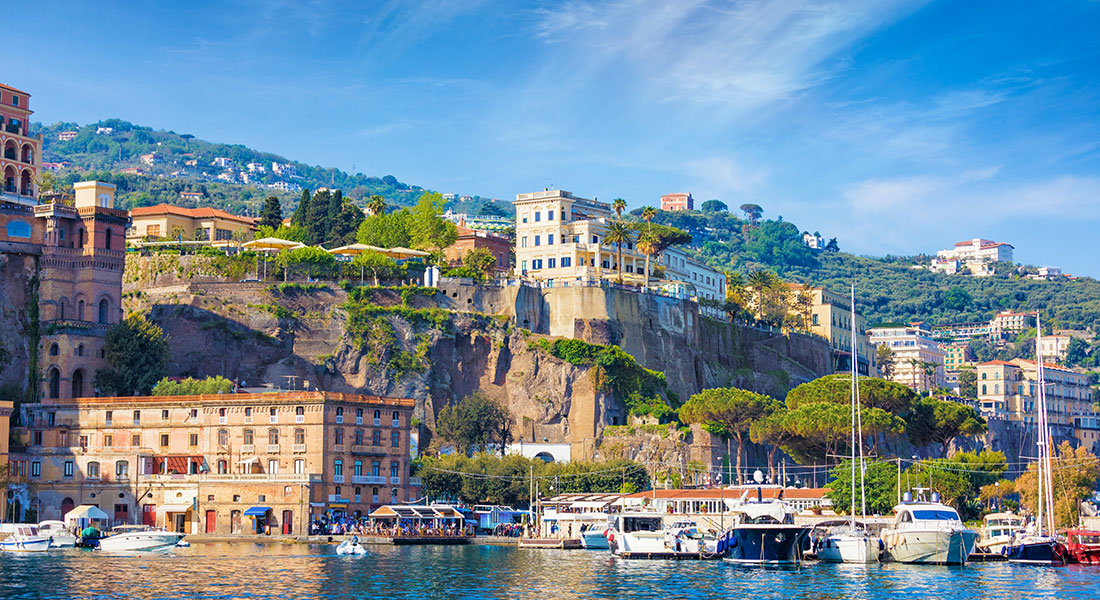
(151, 159)
(209, 463)
(491, 223)
(677, 202)
(979, 250)
(67, 136)
(22, 154)
(255, 167)
(956, 356)
(813, 240)
(1004, 326)
(1008, 390)
(1054, 347)
(133, 171)
(559, 240)
(284, 169)
(222, 162)
(104, 130)
(1048, 274)
(832, 320)
(199, 224)
(468, 239)
(918, 359)
(192, 195)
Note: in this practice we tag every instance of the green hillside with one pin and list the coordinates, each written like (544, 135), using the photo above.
(105, 155)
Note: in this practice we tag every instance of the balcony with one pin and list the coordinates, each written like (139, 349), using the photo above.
(273, 448)
(299, 418)
(248, 449)
(338, 479)
(414, 481)
(395, 481)
(244, 477)
(299, 449)
(378, 422)
(370, 480)
(368, 450)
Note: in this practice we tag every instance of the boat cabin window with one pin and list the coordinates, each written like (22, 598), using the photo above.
(936, 515)
(905, 517)
(631, 524)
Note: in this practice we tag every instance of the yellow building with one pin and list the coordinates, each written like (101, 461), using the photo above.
(1009, 389)
(218, 464)
(165, 222)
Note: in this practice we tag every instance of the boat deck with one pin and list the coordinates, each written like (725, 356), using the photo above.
(550, 543)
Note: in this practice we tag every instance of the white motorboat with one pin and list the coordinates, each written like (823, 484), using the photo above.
(642, 534)
(595, 538)
(350, 547)
(60, 537)
(998, 531)
(848, 544)
(25, 539)
(928, 533)
(139, 538)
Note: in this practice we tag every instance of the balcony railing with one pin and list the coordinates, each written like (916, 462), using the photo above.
(368, 450)
(395, 481)
(415, 481)
(273, 448)
(338, 479)
(299, 448)
(372, 480)
(248, 449)
(246, 477)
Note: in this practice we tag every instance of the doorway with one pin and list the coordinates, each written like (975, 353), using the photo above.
(211, 521)
(287, 517)
(181, 522)
(235, 521)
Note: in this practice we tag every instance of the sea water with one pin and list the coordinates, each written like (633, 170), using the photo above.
(286, 571)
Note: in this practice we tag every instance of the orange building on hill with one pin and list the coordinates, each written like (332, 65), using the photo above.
(168, 222)
(468, 239)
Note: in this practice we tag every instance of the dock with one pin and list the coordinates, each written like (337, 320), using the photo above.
(551, 543)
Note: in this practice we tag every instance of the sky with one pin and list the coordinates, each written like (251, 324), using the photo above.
(898, 127)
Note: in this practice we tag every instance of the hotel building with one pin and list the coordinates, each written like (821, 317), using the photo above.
(165, 221)
(677, 202)
(1008, 390)
(918, 360)
(832, 320)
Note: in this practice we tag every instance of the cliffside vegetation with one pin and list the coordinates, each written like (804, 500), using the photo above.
(137, 351)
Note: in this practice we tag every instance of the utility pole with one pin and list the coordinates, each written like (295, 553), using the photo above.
(899, 480)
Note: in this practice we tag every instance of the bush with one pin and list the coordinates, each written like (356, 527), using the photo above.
(194, 387)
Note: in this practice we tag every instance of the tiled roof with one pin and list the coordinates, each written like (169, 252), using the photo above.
(8, 87)
(195, 213)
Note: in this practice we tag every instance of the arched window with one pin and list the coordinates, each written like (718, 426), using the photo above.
(54, 349)
(223, 437)
(394, 495)
(299, 436)
(273, 437)
(983, 375)
(103, 305)
(78, 383)
(79, 350)
(358, 468)
(358, 437)
(223, 466)
(54, 378)
(300, 410)
(61, 309)
(19, 229)
(996, 388)
(122, 469)
(248, 437)
(80, 310)
(93, 470)
(107, 240)
(983, 388)
(338, 468)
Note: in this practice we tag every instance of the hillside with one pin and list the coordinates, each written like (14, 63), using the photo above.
(184, 163)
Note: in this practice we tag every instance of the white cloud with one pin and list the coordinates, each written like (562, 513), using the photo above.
(721, 177)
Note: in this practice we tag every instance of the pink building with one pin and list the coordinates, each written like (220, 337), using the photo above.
(21, 155)
(677, 202)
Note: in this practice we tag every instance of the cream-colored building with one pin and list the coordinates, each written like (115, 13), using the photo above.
(918, 359)
(1054, 347)
(167, 222)
(560, 240)
(226, 463)
(832, 319)
(1008, 390)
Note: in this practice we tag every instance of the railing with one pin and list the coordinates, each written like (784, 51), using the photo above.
(338, 479)
(273, 448)
(368, 450)
(414, 481)
(395, 481)
(248, 449)
(299, 448)
(247, 477)
(359, 479)
(373, 480)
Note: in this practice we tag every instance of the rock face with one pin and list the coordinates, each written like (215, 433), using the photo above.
(18, 322)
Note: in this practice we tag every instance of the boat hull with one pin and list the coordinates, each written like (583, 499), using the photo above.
(1044, 552)
(25, 545)
(939, 547)
(595, 540)
(766, 544)
(846, 548)
(140, 542)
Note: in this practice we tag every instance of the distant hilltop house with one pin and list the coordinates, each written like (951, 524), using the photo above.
(223, 162)
(975, 255)
(814, 241)
(227, 176)
(465, 198)
(192, 195)
(284, 169)
(151, 159)
(449, 196)
(255, 167)
(191, 163)
(1049, 274)
(210, 225)
(104, 130)
(677, 201)
(132, 171)
(285, 186)
(67, 136)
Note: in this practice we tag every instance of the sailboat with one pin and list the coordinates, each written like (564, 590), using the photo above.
(1039, 545)
(851, 542)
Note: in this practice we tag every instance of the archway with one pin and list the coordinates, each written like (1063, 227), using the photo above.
(54, 377)
(103, 307)
(66, 505)
(28, 154)
(9, 180)
(545, 457)
(9, 150)
(78, 383)
(25, 187)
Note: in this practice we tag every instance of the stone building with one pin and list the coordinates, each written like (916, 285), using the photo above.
(218, 464)
(21, 154)
(468, 239)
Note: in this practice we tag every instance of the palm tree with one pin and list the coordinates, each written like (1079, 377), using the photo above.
(618, 205)
(915, 365)
(376, 205)
(761, 280)
(619, 233)
(648, 212)
(647, 245)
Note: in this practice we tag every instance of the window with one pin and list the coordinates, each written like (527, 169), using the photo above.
(247, 437)
(248, 415)
(396, 419)
(377, 417)
(137, 418)
(338, 468)
(164, 415)
(595, 239)
(395, 439)
(122, 469)
(393, 469)
(538, 217)
(152, 230)
(358, 468)
(394, 494)
(103, 306)
(550, 263)
(36, 469)
(37, 438)
(536, 264)
(84, 443)
(523, 242)
(164, 439)
(523, 265)
(983, 388)
(549, 239)
(68, 468)
(339, 437)
(223, 437)
(135, 440)
(375, 468)
(273, 466)
(273, 437)
(54, 350)
(299, 466)
(550, 215)
(538, 240)
(194, 414)
(339, 414)
(566, 261)
(300, 436)
(300, 414)
(274, 414)
(376, 438)
(108, 440)
(358, 416)
(14, 100)
(374, 494)
(108, 417)
(223, 466)
(93, 469)
(358, 437)
(524, 217)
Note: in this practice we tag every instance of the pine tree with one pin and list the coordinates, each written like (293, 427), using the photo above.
(300, 213)
(272, 213)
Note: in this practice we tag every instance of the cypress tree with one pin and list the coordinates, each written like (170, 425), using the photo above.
(298, 219)
(272, 213)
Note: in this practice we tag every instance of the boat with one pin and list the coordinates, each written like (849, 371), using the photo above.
(642, 534)
(60, 537)
(139, 538)
(26, 538)
(928, 533)
(998, 530)
(1039, 545)
(851, 543)
(1084, 546)
(595, 538)
(763, 533)
(350, 547)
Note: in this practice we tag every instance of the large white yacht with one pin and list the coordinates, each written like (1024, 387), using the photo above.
(928, 533)
(642, 534)
(139, 538)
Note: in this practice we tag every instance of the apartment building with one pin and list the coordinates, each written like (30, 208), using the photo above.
(560, 239)
(918, 359)
(832, 319)
(1004, 326)
(979, 250)
(165, 221)
(218, 464)
(1009, 389)
(469, 239)
(1054, 347)
(677, 202)
(21, 155)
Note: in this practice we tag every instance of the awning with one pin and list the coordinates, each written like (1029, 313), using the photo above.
(249, 460)
(257, 511)
(86, 511)
(270, 243)
(175, 508)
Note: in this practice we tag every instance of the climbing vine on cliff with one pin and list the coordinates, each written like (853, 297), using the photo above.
(615, 371)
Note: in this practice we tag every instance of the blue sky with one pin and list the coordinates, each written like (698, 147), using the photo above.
(898, 127)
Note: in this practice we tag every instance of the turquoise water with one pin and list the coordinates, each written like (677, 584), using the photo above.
(246, 570)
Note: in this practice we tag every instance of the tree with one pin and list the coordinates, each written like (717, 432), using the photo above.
(272, 213)
(618, 205)
(1075, 474)
(194, 387)
(619, 233)
(376, 205)
(312, 257)
(956, 298)
(728, 410)
(389, 230)
(832, 246)
(647, 245)
(377, 264)
(282, 232)
(885, 358)
(772, 430)
(968, 383)
(301, 212)
(474, 423)
(712, 206)
(137, 351)
(753, 212)
(427, 230)
(481, 261)
(941, 421)
(880, 486)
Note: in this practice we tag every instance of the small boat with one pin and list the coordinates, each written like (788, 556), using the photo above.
(139, 538)
(847, 542)
(1031, 549)
(350, 547)
(765, 533)
(928, 533)
(25, 539)
(1084, 546)
(595, 538)
(60, 537)
(998, 530)
(641, 534)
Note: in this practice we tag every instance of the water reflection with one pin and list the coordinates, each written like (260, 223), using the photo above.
(290, 571)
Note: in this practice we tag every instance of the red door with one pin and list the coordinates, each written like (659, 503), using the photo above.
(211, 521)
(287, 516)
(149, 515)
(122, 513)
(66, 505)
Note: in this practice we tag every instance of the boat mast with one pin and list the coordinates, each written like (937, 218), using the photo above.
(857, 419)
(1046, 480)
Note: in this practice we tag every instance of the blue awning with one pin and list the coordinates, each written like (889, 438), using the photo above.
(257, 511)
